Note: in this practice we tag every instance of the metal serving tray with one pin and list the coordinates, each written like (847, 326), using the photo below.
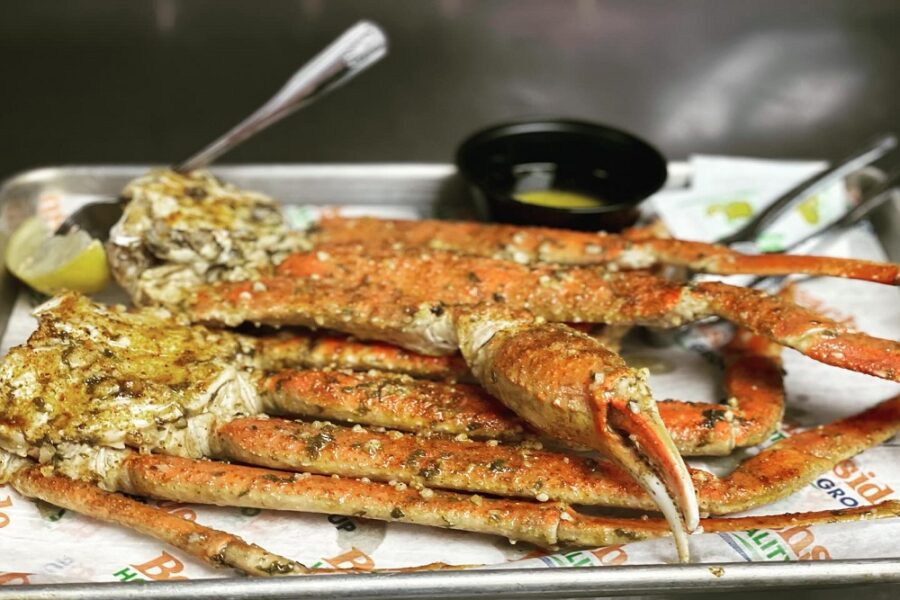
(425, 189)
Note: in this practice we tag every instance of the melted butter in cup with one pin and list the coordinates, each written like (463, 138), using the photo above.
(558, 199)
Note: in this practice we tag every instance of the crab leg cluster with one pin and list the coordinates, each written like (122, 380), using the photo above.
(407, 297)
(390, 398)
(499, 296)
(528, 367)
(528, 472)
(95, 355)
(74, 333)
(438, 302)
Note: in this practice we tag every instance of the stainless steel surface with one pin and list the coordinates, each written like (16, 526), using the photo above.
(433, 189)
(356, 50)
(545, 583)
(860, 159)
(353, 52)
(100, 81)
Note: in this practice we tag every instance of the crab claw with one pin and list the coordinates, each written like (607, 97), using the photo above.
(636, 438)
(567, 385)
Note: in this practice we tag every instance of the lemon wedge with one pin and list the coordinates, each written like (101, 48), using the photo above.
(54, 263)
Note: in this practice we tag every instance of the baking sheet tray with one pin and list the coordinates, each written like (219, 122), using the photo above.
(427, 189)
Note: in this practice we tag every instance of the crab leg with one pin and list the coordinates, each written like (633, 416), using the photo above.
(755, 389)
(311, 350)
(546, 524)
(539, 361)
(300, 348)
(794, 462)
(213, 547)
(389, 400)
(336, 288)
(437, 462)
(208, 482)
(537, 244)
(385, 400)
(595, 531)
(527, 472)
(296, 349)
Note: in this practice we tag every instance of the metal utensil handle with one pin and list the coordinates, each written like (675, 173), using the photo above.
(813, 184)
(357, 49)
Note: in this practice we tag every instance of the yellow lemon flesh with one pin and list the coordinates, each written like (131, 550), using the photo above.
(558, 199)
(54, 263)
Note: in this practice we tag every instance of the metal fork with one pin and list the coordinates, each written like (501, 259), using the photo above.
(353, 52)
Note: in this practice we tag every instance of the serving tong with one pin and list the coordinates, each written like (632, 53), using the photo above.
(747, 235)
(353, 52)
(707, 335)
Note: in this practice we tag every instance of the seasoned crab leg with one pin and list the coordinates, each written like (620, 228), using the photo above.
(754, 386)
(794, 462)
(389, 400)
(104, 355)
(316, 350)
(530, 472)
(338, 288)
(546, 524)
(538, 244)
(213, 547)
(297, 349)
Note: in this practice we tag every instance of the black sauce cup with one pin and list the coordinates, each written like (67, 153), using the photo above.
(612, 166)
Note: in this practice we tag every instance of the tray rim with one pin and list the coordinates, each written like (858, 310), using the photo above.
(494, 583)
(679, 171)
